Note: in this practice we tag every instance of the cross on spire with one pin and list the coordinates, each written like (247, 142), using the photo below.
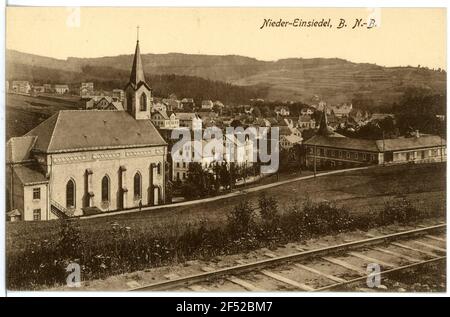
(137, 33)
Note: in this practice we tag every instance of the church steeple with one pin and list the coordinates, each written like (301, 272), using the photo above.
(324, 129)
(137, 70)
(138, 101)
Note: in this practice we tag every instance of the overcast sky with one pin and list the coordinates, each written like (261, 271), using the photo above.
(403, 36)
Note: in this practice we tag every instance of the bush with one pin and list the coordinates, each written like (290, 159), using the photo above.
(241, 218)
(325, 217)
(269, 214)
(401, 211)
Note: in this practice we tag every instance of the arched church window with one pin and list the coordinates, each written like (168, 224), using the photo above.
(137, 186)
(105, 188)
(70, 194)
(143, 102)
(158, 168)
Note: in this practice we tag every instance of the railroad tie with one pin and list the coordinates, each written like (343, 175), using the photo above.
(371, 260)
(436, 238)
(399, 255)
(244, 284)
(197, 288)
(345, 265)
(133, 284)
(430, 246)
(328, 276)
(404, 246)
(286, 280)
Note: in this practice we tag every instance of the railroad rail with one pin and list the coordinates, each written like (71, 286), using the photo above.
(421, 253)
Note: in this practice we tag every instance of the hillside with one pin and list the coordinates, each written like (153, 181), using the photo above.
(334, 80)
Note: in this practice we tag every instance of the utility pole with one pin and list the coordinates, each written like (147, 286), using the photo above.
(384, 156)
(245, 173)
(315, 155)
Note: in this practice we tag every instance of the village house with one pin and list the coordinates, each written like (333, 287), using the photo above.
(165, 120)
(239, 150)
(103, 103)
(38, 89)
(218, 105)
(158, 105)
(21, 87)
(48, 88)
(342, 110)
(207, 105)
(187, 103)
(282, 111)
(307, 111)
(328, 149)
(209, 118)
(189, 120)
(306, 122)
(79, 162)
(86, 90)
(61, 89)
(190, 149)
(287, 142)
(172, 104)
(118, 94)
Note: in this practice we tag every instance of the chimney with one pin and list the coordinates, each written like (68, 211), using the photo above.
(417, 134)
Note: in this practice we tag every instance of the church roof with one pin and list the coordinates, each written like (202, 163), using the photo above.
(18, 149)
(78, 130)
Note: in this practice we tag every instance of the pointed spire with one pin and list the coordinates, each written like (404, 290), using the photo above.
(324, 129)
(137, 71)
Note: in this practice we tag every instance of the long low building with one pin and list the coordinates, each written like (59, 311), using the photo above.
(331, 150)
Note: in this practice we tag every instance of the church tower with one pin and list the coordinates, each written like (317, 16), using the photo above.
(138, 94)
(324, 129)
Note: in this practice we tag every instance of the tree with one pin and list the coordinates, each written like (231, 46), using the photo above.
(199, 183)
(256, 112)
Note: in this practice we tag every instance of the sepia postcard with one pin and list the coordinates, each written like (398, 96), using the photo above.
(225, 150)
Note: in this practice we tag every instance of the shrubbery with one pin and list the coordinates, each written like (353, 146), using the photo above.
(401, 211)
(121, 249)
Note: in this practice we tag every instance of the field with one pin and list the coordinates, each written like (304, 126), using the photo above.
(360, 191)
(23, 113)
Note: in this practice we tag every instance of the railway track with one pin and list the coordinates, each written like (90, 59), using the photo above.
(322, 269)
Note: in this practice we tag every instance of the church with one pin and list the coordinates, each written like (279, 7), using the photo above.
(80, 162)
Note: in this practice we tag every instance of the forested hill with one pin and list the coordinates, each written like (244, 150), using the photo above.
(211, 76)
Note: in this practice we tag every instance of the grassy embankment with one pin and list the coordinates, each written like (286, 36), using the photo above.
(124, 243)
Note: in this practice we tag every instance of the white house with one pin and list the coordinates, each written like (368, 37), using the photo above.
(165, 120)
